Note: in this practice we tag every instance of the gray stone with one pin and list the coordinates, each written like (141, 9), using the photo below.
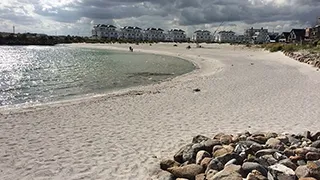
(210, 174)
(256, 175)
(168, 163)
(227, 157)
(232, 161)
(280, 172)
(312, 156)
(223, 151)
(265, 152)
(248, 167)
(283, 139)
(269, 159)
(200, 177)
(179, 155)
(288, 163)
(226, 139)
(214, 165)
(199, 139)
(273, 143)
(279, 156)
(201, 155)
(315, 136)
(205, 162)
(301, 163)
(302, 171)
(271, 135)
(189, 171)
(316, 144)
(231, 172)
(314, 168)
(261, 139)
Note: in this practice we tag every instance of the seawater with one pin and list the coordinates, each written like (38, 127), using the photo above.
(38, 74)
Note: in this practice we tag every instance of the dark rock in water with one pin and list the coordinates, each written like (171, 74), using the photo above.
(165, 164)
(248, 167)
(165, 175)
(201, 155)
(265, 152)
(280, 171)
(316, 144)
(196, 90)
(199, 139)
(189, 171)
(288, 163)
(215, 165)
(312, 156)
(231, 172)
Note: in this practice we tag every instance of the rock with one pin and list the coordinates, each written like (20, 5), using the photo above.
(216, 147)
(280, 171)
(214, 165)
(273, 143)
(205, 162)
(265, 152)
(226, 139)
(165, 175)
(283, 139)
(316, 144)
(210, 174)
(302, 171)
(289, 152)
(288, 163)
(179, 155)
(218, 136)
(261, 139)
(269, 159)
(189, 171)
(227, 157)
(248, 167)
(293, 141)
(209, 144)
(295, 158)
(253, 146)
(271, 135)
(256, 175)
(199, 139)
(230, 172)
(232, 161)
(314, 168)
(315, 136)
(311, 156)
(301, 163)
(223, 151)
(279, 156)
(196, 90)
(168, 163)
(200, 177)
(307, 178)
(201, 155)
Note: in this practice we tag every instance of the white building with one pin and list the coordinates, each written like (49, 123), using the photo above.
(131, 33)
(104, 31)
(202, 36)
(153, 34)
(257, 36)
(176, 35)
(225, 37)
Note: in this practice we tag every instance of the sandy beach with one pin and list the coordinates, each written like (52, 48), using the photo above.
(124, 135)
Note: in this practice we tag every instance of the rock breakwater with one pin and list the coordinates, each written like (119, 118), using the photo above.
(251, 156)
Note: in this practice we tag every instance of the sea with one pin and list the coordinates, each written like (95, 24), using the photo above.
(41, 74)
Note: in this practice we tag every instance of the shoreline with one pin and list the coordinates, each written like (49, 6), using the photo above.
(128, 91)
(125, 137)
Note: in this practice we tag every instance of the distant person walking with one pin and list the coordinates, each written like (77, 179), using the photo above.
(131, 49)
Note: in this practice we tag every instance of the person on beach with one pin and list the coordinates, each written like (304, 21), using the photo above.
(131, 49)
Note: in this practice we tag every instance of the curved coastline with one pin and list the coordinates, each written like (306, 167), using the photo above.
(126, 136)
(139, 89)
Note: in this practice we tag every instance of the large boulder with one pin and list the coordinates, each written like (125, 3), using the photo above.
(188, 171)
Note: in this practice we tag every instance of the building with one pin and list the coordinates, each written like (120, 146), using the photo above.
(202, 36)
(225, 37)
(176, 35)
(104, 31)
(284, 37)
(131, 33)
(153, 34)
(257, 36)
(297, 35)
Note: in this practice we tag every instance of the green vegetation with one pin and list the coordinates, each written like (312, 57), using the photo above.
(275, 47)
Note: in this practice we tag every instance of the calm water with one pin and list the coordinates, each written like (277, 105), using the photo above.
(34, 74)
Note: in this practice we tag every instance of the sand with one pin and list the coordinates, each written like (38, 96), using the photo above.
(123, 135)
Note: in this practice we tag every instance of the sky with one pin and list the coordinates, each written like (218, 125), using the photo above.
(77, 17)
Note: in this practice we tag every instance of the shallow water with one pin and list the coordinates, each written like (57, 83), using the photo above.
(36, 74)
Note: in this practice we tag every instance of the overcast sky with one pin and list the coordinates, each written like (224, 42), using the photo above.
(76, 17)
